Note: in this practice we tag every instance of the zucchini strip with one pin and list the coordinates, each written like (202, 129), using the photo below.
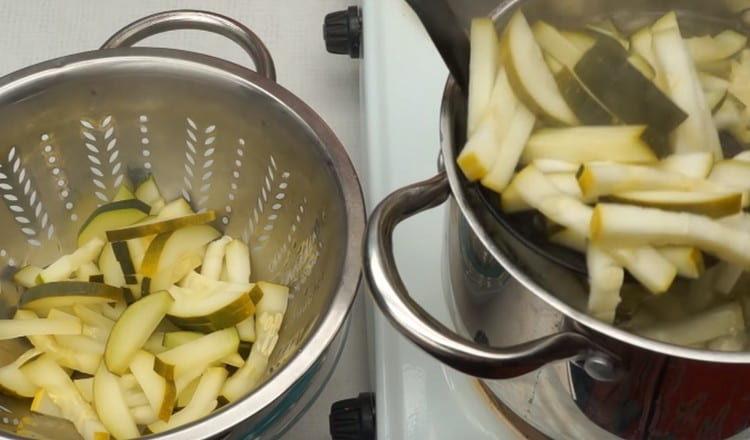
(483, 68)
(720, 321)
(43, 404)
(64, 267)
(606, 277)
(133, 329)
(246, 329)
(112, 216)
(159, 391)
(633, 226)
(510, 150)
(45, 297)
(16, 328)
(214, 259)
(204, 401)
(13, 382)
(109, 401)
(27, 277)
(197, 355)
(237, 261)
(46, 374)
(160, 227)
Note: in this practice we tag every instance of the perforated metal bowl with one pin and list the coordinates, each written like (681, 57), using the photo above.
(222, 136)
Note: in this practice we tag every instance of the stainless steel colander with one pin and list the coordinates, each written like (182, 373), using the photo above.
(225, 138)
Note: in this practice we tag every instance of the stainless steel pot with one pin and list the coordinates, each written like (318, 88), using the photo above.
(220, 135)
(544, 319)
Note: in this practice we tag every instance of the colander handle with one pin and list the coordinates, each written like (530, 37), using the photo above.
(199, 20)
(416, 324)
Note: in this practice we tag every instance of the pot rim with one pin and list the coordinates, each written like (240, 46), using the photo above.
(28, 80)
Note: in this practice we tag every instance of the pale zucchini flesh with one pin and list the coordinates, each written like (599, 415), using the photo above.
(529, 75)
(720, 321)
(113, 411)
(197, 354)
(606, 277)
(237, 262)
(510, 150)
(214, 258)
(160, 392)
(584, 144)
(13, 382)
(133, 329)
(484, 63)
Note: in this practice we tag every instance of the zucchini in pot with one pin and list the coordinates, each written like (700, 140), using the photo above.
(708, 49)
(27, 276)
(483, 68)
(715, 205)
(15, 383)
(696, 165)
(205, 313)
(237, 261)
(606, 277)
(160, 392)
(529, 75)
(64, 267)
(720, 321)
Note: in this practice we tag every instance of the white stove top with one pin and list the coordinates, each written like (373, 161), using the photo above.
(417, 397)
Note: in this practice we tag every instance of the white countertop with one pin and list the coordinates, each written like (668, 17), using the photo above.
(37, 30)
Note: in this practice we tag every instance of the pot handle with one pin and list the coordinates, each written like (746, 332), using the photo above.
(199, 20)
(392, 297)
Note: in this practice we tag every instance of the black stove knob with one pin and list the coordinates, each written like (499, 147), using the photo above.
(353, 419)
(342, 32)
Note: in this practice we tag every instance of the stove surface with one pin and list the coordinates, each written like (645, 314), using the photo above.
(417, 397)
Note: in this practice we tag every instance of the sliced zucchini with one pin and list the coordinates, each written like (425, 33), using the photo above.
(204, 401)
(143, 415)
(721, 68)
(43, 404)
(110, 267)
(85, 388)
(173, 255)
(698, 132)
(608, 29)
(696, 165)
(632, 226)
(708, 49)
(512, 202)
(646, 265)
(715, 99)
(109, 401)
(160, 392)
(123, 193)
(137, 249)
(729, 343)
(537, 191)
(160, 227)
(27, 276)
(122, 254)
(113, 215)
(641, 43)
(247, 378)
(92, 317)
(731, 116)
(148, 192)
(643, 66)
(13, 382)
(97, 333)
(45, 373)
(552, 166)
(87, 271)
(246, 329)
(275, 298)
(16, 328)
(187, 394)
(554, 43)
(529, 75)
(584, 144)
(606, 277)
(48, 296)
(733, 174)
(133, 329)
(237, 260)
(719, 321)
(480, 153)
(510, 150)
(205, 313)
(175, 339)
(80, 343)
(601, 179)
(482, 70)
(214, 259)
(581, 40)
(64, 267)
(175, 209)
(197, 355)
(713, 205)
(154, 343)
(688, 260)
(570, 239)
(587, 107)
(625, 91)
